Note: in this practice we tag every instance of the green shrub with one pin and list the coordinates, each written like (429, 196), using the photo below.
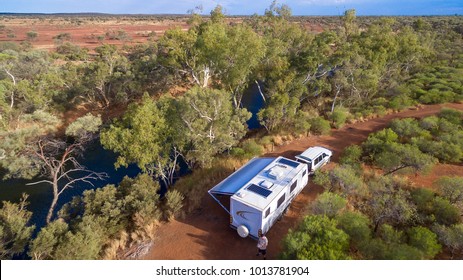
(266, 140)
(251, 148)
(302, 122)
(351, 155)
(15, 231)
(339, 116)
(317, 238)
(423, 199)
(445, 212)
(84, 243)
(247, 150)
(237, 152)
(451, 188)
(401, 102)
(451, 237)
(452, 115)
(379, 110)
(391, 235)
(408, 128)
(43, 247)
(374, 249)
(320, 126)
(424, 240)
(328, 204)
(356, 225)
(174, 204)
(403, 252)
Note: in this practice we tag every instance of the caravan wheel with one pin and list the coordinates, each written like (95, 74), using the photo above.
(243, 231)
(283, 213)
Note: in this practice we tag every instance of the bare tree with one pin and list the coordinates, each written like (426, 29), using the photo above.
(60, 166)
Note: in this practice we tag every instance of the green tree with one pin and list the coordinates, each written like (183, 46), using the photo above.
(397, 157)
(6, 64)
(317, 238)
(424, 201)
(408, 128)
(107, 77)
(28, 153)
(425, 240)
(445, 212)
(15, 231)
(356, 225)
(210, 123)
(351, 156)
(328, 204)
(344, 179)
(452, 237)
(89, 222)
(452, 115)
(83, 243)
(451, 188)
(389, 202)
(43, 247)
(141, 137)
(213, 54)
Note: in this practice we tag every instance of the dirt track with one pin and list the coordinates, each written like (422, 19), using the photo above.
(205, 234)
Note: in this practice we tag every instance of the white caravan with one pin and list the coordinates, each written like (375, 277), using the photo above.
(315, 157)
(259, 193)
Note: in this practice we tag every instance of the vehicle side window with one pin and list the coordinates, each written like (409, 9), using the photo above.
(303, 173)
(281, 200)
(293, 186)
(317, 161)
(267, 212)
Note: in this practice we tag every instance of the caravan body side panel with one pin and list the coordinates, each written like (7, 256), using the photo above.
(243, 214)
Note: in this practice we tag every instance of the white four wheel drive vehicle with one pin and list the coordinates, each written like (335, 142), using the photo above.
(315, 157)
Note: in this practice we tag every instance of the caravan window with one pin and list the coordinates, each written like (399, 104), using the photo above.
(281, 200)
(293, 186)
(267, 212)
(303, 173)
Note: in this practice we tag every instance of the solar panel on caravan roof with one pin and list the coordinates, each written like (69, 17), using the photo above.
(259, 190)
(288, 162)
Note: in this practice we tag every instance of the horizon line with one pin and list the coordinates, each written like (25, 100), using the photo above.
(208, 15)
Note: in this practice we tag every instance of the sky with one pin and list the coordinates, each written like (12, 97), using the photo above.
(236, 7)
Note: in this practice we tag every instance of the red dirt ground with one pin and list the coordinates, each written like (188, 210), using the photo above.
(205, 234)
(85, 32)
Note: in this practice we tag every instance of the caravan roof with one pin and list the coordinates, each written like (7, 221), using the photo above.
(268, 184)
(241, 177)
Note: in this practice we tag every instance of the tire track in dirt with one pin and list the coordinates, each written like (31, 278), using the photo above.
(205, 234)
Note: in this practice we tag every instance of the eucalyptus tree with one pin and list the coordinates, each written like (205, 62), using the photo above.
(389, 202)
(141, 137)
(34, 152)
(210, 122)
(15, 228)
(8, 87)
(108, 77)
(213, 54)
